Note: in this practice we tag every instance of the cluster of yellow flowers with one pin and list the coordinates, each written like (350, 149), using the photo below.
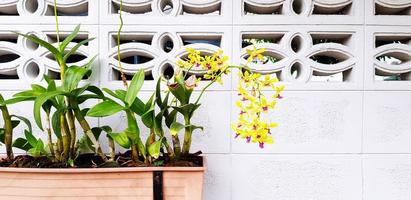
(215, 64)
(253, 104)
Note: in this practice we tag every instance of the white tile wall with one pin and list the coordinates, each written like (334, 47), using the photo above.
(342, 139)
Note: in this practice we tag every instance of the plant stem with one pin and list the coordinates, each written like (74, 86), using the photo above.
(112, 149)
(133, 128)
(66, 137)
(123, 76)
(49, 138)
(176, 146)
(72, 128)
(62, 65)
(59, 148)
(169, 150)
(187, 136)
(57, 22)
(87, 130)
(8, 131)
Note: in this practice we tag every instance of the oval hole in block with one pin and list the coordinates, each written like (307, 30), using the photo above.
(298, 6)
(32, 70)
(296, 70)
(166, 6)
(296, 43)
(31, 6)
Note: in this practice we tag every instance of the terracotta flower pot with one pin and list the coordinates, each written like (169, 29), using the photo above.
(179, 183)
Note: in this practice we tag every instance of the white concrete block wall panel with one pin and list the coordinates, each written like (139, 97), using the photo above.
(395, 42)
(160, 46)
(343, 130)
(298, 12)
(387, 177)
(42, 11)
(168, 12)
(296, 177)
(388, 12)
(23, 62)
(386, 122)
(297, 49)
(310, 122)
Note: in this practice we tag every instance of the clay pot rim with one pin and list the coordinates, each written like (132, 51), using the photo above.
(105, 170)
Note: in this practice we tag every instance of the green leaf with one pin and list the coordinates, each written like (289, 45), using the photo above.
(55, 123)
(158, 127)
(194, 127)
(84, 111)
(74, 49)
(105, 108)
(113, 94)
(95, 90)
(73, 76)
(30, 138)
(78, 91)
(138, 107)
(22, 143)
(47, 107)
(69, 38)
(43, 43)
(133, 135)
(14, 123)
(89, 64)
(38, 88)
(135, 86)
(121, 139)
(37, 150)
(149, 105)
(1, 100)
(171, 118)
(158, 93)
(2, 135)
(51, 83)
(188, 109)
(82, 98)
(39, 102)
(154, 149)
(17, 100)
(175, 128)
(25, 120)
(148, 118)
(141, 148)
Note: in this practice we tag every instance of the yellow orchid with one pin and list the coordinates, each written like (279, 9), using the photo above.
(265, 106)
(268, 81)
(255, 54)
(253, 104)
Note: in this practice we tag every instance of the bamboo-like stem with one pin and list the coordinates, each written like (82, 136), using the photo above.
(87, 130)
(112, 149)
(176, 146)
(66, 138)
(8, 131)
(72, 128)
(133, 127)
(49, 137)
(187, 136)
(169, 150)
(59, 149)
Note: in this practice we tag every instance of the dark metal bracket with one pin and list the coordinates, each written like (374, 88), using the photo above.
(158, 185)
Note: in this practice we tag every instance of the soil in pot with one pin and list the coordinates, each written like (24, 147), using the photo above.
(93, 161)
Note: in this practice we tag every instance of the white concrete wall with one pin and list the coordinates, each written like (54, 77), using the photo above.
(344, 139)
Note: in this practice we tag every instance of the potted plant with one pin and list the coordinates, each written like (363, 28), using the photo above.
(159, 166)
